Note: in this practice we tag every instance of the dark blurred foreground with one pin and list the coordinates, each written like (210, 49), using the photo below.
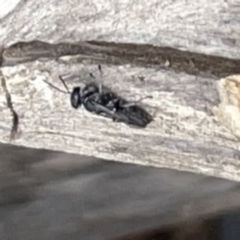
(54, 196)
(222, 227)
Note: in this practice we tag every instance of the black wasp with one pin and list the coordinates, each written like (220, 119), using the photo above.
(100, 100)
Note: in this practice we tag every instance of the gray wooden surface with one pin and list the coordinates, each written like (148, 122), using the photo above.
(202, 26)
(195, 125)
(184, 135)
(180, 52)
(51, 195)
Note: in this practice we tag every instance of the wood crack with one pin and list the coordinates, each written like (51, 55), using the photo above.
(15, 120)
(121, 53)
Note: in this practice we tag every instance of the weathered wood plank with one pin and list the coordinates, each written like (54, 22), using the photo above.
(184, 135)
(202, 26)
(51, 195)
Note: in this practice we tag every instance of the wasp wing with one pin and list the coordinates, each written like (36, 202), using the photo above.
(106, 112)
(133, 115)
(137, 116)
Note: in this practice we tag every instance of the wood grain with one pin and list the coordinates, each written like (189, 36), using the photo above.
(184, 50)
(184, 134)
(206, 27)
(183, 53)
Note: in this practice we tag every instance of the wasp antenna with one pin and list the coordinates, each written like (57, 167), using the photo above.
(60, 90)
(64, 84)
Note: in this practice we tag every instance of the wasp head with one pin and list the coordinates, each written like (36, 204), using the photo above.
(76, 97)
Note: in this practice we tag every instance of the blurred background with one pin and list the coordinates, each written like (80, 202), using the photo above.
(52, 195)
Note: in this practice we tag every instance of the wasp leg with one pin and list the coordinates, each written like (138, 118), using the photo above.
(134, 103)
(100, 91)
(100, 87)
(129, 105)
